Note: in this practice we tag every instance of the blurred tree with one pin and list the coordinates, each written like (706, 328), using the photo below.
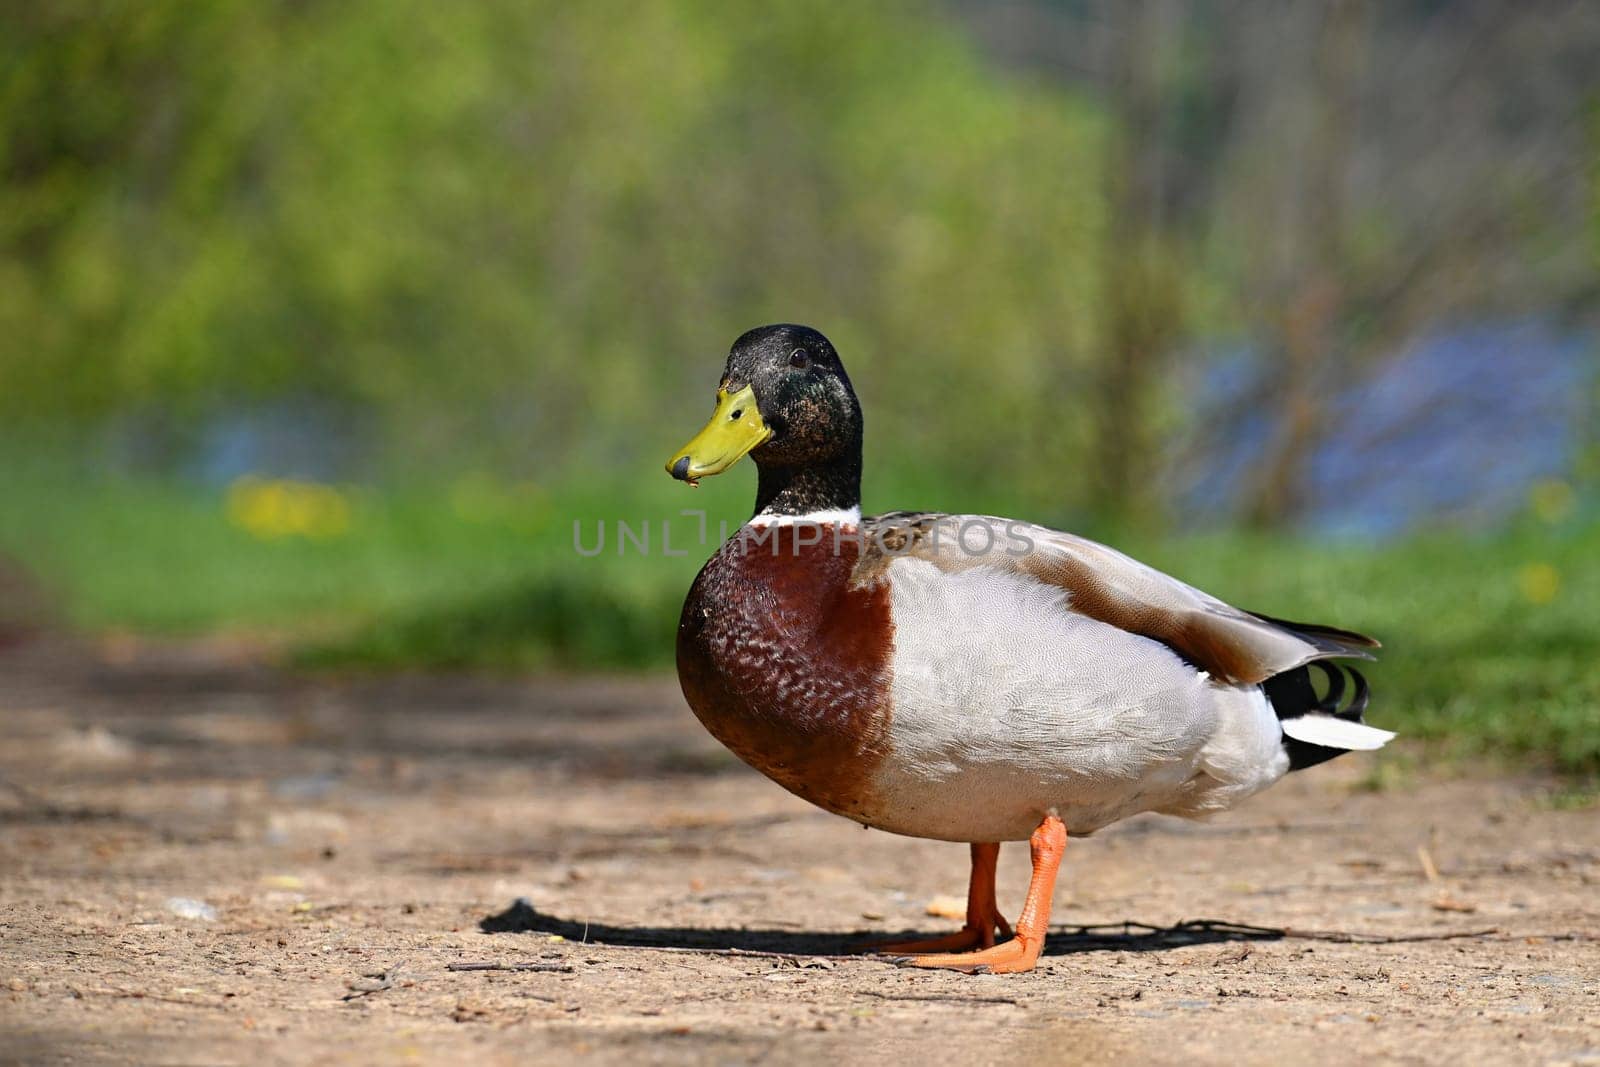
(1338, 178)
(1306, 268)
(1145, 273)
(525, 231)
(520, 232)
(1431, 178)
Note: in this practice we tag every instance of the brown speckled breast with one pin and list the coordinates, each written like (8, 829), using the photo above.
(787, 662)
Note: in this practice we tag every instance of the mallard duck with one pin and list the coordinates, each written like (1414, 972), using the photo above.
(971, 678)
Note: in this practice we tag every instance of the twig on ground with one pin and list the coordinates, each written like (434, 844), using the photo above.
(369, 984)
(28, 795)
(1429, 868)
(1189, 927)
(950, 999)
(799, 959)
(1346, 937)
(36, 804)
(42, 805)
(140, 994)
(550, 968)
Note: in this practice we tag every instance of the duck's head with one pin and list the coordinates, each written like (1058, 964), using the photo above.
(785, 400)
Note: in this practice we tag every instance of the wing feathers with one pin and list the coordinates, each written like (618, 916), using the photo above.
(1330, 731)
(1331, 639)
(1235, 647)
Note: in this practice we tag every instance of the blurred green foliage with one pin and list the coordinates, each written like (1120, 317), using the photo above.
(504, 225)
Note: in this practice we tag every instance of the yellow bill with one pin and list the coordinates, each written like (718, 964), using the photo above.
(735, 428)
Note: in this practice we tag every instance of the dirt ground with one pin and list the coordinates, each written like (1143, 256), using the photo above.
(206, 861)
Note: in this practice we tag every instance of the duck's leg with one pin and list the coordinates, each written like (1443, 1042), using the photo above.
(983, 914)
(1048, 844)
(983, 911)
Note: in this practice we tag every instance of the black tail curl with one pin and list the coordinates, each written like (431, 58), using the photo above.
(1292, 695)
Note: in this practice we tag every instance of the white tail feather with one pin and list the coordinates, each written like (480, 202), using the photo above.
(1330, 732)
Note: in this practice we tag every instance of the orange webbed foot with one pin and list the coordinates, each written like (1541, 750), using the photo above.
(970, 936)
(1048, 844)
(983, 915)
(1008, 957)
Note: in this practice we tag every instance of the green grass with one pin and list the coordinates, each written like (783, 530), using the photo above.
(1492, 642)
(158, 558)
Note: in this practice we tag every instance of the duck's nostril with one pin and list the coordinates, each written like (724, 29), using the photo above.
(736, 414)
(680, 469)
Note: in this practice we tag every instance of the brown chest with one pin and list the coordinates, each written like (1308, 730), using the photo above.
(787, 662)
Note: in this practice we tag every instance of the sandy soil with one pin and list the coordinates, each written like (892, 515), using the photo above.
(205, 861)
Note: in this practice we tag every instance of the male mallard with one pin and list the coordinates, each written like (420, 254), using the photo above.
(969, 678)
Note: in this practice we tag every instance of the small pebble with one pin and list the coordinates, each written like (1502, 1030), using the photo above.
(189, 908)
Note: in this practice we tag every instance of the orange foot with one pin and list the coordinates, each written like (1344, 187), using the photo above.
(983, 914)
(1048, 844)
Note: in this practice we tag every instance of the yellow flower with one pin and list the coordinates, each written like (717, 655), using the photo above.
(1540, 582)
(278, 508)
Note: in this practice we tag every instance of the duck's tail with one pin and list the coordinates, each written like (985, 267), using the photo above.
(1316, 729)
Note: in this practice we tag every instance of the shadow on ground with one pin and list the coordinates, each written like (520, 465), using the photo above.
(523, 918)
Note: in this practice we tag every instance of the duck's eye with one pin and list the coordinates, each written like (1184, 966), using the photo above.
(799, 358)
